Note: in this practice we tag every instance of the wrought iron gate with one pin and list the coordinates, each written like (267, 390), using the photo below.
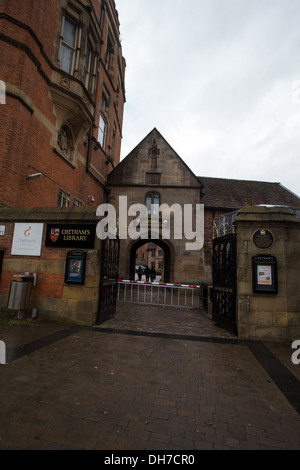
(225, 282)
(109, 279)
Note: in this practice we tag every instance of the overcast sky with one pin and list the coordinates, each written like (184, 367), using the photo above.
(220, 80)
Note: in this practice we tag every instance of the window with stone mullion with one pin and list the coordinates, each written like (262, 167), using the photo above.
(68, 45)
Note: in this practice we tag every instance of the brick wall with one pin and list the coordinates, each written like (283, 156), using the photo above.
(51, 296)
(30, 120)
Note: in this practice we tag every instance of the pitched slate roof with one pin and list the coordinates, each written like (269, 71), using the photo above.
(234, 194)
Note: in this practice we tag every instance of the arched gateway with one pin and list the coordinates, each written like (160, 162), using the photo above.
(167, 268)
(154, 176)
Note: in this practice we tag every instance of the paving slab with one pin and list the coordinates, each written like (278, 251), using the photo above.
(178, 384)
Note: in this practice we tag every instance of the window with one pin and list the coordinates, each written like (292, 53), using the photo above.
(77, 203)
(103, 9)
(152, 203)
(104, 109)
(113, 146)
(90, 66)
(109, 56)
(68, 44)
(101, 131)
(118, 93)
(87, 65)
(77, 56)
(153, 178)
(63, 199)
(108, 53)
(156, 204)
(148, 203)
(105, 99)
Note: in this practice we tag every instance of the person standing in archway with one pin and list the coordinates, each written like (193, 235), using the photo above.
(139, 273)
(152, 274)
(147, 273)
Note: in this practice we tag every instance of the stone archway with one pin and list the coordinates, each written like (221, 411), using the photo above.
(154, 175)
(167, 257)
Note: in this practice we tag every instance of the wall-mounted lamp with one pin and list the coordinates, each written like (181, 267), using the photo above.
(92, 198)
(34, 175)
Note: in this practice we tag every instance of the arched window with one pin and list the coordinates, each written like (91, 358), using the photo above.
(156, 203)
(102, 131)
(152, 203)
(148, 203)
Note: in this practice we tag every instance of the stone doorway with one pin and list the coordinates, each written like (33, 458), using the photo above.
(150, 247)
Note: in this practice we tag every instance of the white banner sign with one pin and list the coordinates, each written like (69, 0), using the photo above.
(27, 239)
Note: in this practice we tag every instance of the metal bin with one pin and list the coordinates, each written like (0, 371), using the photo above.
(18, 295)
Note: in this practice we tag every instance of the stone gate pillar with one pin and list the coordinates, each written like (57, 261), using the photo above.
(268, 240)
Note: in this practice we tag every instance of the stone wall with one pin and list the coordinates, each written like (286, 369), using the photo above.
(184, 265)
(268, 315)
(53, 298)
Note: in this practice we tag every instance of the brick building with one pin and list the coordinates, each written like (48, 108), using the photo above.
(62, 98)
(61, 126)
(151, 255)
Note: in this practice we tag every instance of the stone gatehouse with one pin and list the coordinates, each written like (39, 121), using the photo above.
(154, 172)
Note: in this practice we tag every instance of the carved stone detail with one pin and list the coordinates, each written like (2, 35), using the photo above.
(85, 100)
(65, 142)
(65, 82)
(153, 153)
(154, 150)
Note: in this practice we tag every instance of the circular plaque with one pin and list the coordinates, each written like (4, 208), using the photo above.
(263, 239)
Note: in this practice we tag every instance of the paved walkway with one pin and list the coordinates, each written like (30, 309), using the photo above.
(148, 379)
